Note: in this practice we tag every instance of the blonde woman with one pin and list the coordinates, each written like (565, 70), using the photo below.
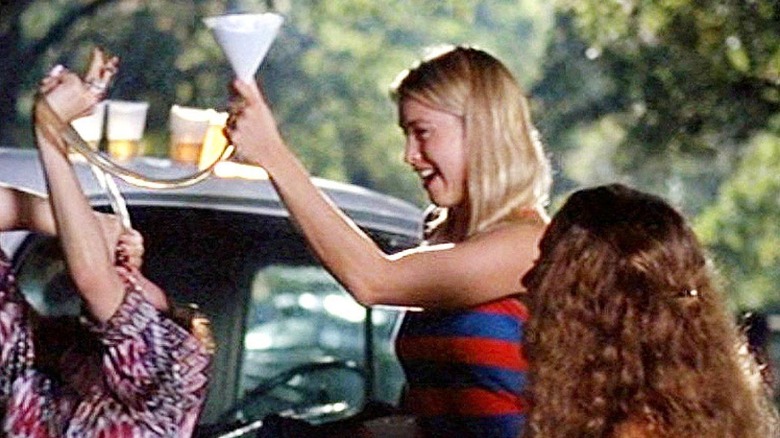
(470, 138)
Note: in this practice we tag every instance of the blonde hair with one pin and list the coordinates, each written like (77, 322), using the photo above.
(508, 172)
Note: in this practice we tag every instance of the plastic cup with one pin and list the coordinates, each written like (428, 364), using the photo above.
(188, 127)
(90, 127)
(125, 129)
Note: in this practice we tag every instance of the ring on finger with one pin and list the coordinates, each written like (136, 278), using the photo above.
(96, 87)
(110, 69)
(56, 71)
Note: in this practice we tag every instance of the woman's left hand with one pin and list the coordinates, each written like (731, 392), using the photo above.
(126, 245)
(130, 248)
(70, 96)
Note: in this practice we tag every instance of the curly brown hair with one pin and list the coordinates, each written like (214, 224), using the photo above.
(629, 336)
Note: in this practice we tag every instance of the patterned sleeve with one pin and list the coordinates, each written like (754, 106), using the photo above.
(16, 347)
(157, 369)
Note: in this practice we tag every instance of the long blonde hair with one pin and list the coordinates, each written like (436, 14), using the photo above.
(508, 172)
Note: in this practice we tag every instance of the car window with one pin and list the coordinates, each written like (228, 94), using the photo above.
(299, 316)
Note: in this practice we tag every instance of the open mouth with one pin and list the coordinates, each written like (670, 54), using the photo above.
(426, 175)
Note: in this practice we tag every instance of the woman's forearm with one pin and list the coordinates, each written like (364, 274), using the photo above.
(345, 250)
(477, 270)
(85, 249)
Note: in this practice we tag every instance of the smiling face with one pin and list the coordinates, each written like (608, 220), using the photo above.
(436, 150)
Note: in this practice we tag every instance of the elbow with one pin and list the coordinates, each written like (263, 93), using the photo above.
(88, 280)
(367, 299)
(366, 293)
(368, 281)
(85, 284)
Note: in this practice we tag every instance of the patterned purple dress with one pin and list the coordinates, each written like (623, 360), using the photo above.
(146, 377)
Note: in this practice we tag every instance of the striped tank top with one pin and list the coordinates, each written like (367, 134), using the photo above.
(466, 370)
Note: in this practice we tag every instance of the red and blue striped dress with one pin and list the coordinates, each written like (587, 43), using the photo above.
(465, 369)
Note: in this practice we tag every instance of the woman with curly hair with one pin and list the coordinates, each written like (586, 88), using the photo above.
(629, 336)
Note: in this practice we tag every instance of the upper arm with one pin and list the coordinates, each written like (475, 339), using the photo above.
(12, 211)
(9, 211)
(483, 268)
(21, 209)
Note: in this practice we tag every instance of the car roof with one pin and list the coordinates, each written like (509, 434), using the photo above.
(254, 195)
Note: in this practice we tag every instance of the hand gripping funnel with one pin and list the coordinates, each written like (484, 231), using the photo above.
(245, 39)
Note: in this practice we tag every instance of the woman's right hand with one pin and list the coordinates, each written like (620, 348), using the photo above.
(251, 127)
(130, 248)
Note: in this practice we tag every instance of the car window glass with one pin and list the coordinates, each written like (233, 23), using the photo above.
(300, 315)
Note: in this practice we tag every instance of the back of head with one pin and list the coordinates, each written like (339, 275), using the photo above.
(627, 327)
(66, 351)
(507, 168)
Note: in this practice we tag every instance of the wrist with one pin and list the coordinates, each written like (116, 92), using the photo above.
(46, 116)
(274, 154)
(49, 137)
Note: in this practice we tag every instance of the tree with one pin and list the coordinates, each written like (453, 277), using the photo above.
(742, 227)
(685, 82)
(680, 98)
(327, 74)
(343, 56)
(19, 51)
(150, 37)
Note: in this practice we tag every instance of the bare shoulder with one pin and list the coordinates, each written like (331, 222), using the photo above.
(516, 231)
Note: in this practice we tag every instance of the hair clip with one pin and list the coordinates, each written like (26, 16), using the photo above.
(690, 293)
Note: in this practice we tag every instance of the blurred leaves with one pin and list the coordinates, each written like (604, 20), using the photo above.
(327, 75)
(673, 96)
(680, 98)
(688, 79)
(743, 229)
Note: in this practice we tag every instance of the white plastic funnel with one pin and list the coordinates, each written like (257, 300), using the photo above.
(245, 39)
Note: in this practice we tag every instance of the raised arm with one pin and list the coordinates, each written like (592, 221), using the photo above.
(89, 261)
(482, 269)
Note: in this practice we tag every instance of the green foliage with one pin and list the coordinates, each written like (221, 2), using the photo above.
(161, 45)
(688, 80)
(677, 94)
(326, 76)
(669, 95)
(344, 55)
(742, 227)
